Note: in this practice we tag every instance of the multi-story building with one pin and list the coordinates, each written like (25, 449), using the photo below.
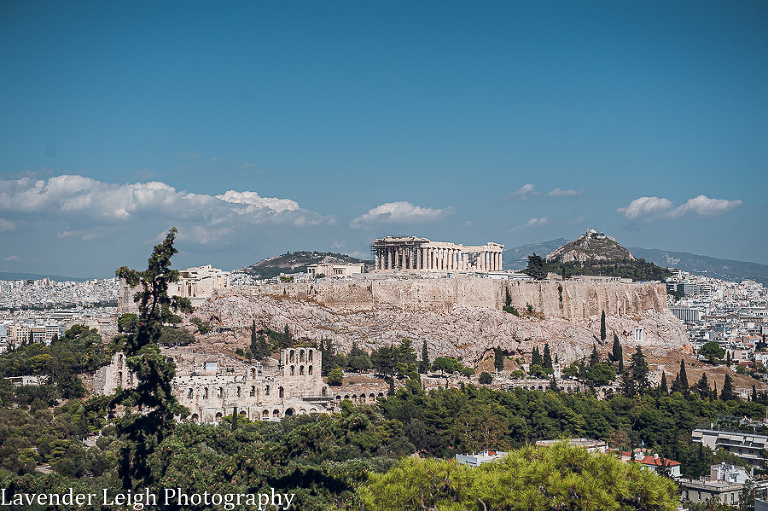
(747, 446)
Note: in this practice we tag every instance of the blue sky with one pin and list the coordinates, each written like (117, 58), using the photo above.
(261, 127)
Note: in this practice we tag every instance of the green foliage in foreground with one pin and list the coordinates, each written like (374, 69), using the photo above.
(530, 479)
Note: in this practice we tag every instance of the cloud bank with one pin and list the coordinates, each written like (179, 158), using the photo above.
(399, 213)
(94, 206)
(655, 208)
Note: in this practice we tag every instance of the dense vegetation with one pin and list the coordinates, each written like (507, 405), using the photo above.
(637, 270)
(296, 262)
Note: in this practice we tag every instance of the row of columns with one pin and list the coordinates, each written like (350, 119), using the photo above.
(436, 258)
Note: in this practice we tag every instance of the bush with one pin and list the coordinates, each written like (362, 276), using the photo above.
(335, 377)
(485, 378)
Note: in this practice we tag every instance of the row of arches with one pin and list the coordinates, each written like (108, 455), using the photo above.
(303, 356)
(239, 392)
(256, 415)
(302, 372)
(361, 399)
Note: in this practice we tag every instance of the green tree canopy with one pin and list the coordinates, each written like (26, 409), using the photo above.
(712, 352)
(537, 267)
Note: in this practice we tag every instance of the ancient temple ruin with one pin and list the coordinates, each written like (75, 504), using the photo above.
(420, 254)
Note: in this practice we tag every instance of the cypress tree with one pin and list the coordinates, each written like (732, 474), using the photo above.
(639, 371)
(603, 334)
(594, 358)
(498, 359)
(536, 357)
(703, 385)
(547, 358)
(683, 377)
(152, 397)
(424, 357)
(663, 390)
(728, 359)
(728, 394)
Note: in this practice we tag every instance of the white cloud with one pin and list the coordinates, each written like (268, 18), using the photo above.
(522, 193)
(400, 213)
(557, 192)
(655, 208)
(12, 258)
(100, 204)
(247, 165)
(536, 222)
(7, 225)
(648, 207)
(704, 206)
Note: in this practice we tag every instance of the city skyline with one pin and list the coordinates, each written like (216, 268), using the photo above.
(257, 129)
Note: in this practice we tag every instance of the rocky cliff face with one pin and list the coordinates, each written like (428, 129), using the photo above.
(459, 330)
(569, 300)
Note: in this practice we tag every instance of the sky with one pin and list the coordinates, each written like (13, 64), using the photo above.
(257, 128)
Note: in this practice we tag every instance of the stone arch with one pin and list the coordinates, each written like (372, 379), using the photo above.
(205, 393)
(195, 418)
(301, 355)
(346, 396)
(276, 414)
(325, 390)
(309, 371)
(310, 354)
(265, 414)
(253, 391)
(120, 360)
(313, 410)
(354, 398)
(301, 370)
(381, 394)
(190, 393)
(371, 398)
(293, 370)
(238, 391)
(291, 356)
(119, 378)
(253, 372)
(220, 392)
(338, 398)
(302, 411)
(289, 411)
(266, 390)
(281, 392)
(242, 412)
(219, 415)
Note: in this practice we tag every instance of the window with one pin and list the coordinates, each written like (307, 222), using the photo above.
(266, 391)
(253, 391)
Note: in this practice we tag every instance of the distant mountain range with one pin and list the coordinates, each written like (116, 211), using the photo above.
(516, 258)
(726, 269)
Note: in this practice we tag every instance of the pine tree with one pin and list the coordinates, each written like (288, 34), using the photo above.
(142, 432)
(754, 394)
(537, 267)
(617, 354)
(603, 333)
(683, 377)
(663, 390)
(547, 358)
(553, 385)
(728, 359)
(713, 394)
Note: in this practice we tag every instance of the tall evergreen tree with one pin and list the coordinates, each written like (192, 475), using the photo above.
(537, 267)
(728, 394)
(425, 362)
(703, 386)
(152, 398)
(594, 358)
(498, 359)
(536, 356)
(617, 353)
(638, 371)
(603, 333)
(728, 358)
(546, 359)
(683, 376)
(663, 390)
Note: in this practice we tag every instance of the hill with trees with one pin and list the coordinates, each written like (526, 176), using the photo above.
(297, 262)
(595, 253)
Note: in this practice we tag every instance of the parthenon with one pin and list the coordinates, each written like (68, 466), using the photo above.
(420, 254)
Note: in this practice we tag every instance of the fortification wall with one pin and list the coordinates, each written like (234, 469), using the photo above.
(570, 300)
